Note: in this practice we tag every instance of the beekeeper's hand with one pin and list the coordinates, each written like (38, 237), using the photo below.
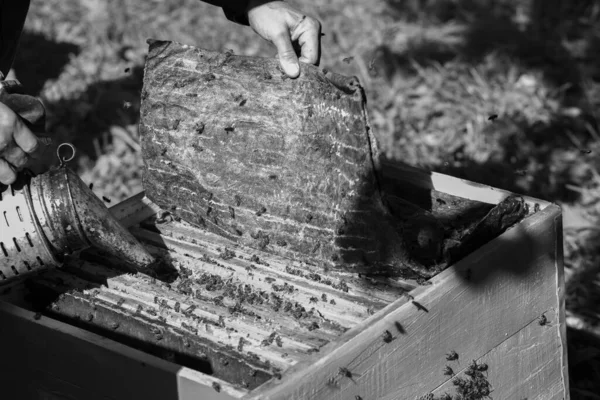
(282, 25)
(18, 145)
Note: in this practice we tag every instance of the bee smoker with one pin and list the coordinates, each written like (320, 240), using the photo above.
(46, 217)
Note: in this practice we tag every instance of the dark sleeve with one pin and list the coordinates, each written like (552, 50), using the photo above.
(12, 19)
(235, 10)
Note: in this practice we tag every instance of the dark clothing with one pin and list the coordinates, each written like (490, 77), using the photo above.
(13, 13)
(235, 10)
(12, 19)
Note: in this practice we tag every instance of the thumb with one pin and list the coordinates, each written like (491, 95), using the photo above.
(287, 55)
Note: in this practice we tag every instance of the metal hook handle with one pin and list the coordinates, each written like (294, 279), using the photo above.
(64, 160)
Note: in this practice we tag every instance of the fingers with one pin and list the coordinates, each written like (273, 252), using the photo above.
(7, 173)
(17, 145)
(287, 55)
(16, 157)
(282, 25)
(25, 139)
(308, 35)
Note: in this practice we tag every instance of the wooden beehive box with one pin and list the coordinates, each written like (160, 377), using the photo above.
(238, 323)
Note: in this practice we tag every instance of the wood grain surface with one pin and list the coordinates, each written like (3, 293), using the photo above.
(473, 308)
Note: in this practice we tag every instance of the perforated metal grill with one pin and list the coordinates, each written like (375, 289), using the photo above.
(23, 248)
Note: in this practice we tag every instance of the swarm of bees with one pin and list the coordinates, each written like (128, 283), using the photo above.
(475, 387)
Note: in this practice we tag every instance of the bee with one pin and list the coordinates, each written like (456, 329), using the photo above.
(91, 186)
(468, 274)
(216, 386)
(332, 382)
(316, 247)
(261, 211)
(399, 327)
(459, 382)
(343, 371)
(448, 371)
(543, 320)
(199, 127)
(243, 102)
(423, 282)
(230, 127)
(452, 356)
(420, 306)
(521, 172)
(492, 117)
(387, 336)
(106, 199)
(372, 63)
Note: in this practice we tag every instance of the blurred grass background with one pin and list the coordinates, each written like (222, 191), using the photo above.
(505, 93)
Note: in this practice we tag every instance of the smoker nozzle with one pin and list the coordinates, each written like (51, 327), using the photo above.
(72, 218)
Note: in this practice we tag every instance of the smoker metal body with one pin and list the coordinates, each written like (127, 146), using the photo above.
(24, 246)
(46, 217)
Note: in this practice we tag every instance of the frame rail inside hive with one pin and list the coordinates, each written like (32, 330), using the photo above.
(235, 313)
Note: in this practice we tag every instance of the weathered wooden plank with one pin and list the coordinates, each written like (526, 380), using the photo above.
(211, 320)
(524, 366)
(44, 358)
(471, 308)
(134, 210)
(181, 238)
(355, 338)
(395, 174)
(88, 292)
